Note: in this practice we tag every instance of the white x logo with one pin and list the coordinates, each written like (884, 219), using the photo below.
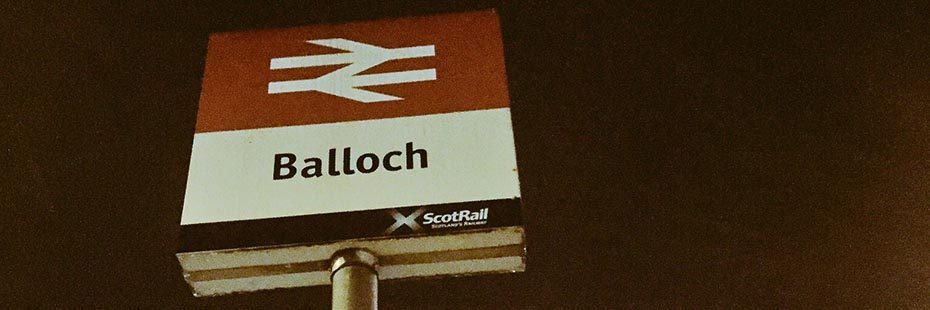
(401, 220)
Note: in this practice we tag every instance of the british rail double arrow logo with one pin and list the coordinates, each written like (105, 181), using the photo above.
(345, 81)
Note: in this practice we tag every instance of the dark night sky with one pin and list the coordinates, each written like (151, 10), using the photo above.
(713, 154)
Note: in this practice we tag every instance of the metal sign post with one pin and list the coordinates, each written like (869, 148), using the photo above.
(355, 280)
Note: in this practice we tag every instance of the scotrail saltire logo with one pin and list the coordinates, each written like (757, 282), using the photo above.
(401, 220)
(459, 218)
(345, 81)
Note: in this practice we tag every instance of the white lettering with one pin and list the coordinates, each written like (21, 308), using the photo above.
(456, 217)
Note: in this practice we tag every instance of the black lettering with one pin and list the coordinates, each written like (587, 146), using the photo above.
(387, 161)
(361, 163)
(411, 152)
(285, 166)
(314, 165)
(346, 157)
(332, 163)
(289, 166)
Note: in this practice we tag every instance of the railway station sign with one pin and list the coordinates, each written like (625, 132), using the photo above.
(315, 138)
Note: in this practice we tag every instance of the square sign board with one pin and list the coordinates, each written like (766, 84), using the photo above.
(394, 136)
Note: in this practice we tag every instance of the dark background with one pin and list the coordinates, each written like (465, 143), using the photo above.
(712, 154)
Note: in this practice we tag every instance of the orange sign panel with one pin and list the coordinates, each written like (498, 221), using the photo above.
(357, 71)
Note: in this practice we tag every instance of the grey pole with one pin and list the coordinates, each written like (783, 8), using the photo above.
(355, 280)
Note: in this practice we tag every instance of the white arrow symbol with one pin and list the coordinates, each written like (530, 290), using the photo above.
(345, 81)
